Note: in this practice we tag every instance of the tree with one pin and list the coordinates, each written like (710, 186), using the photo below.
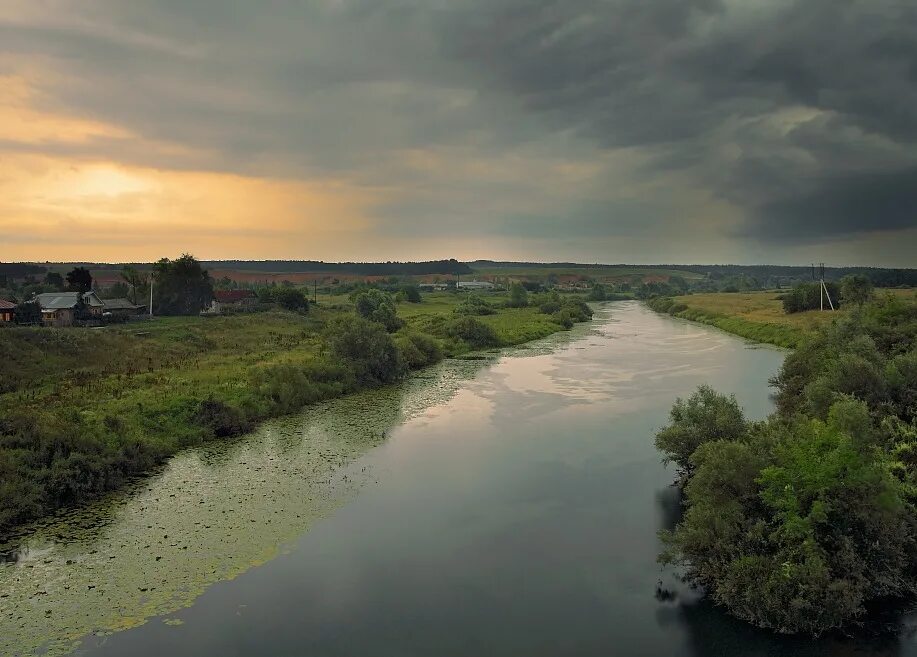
(367, 348)
(705, 416)
(28, 313)
(597, 293)
(291, 299)
(79, 279)
(81, 309)
(473, 331)
(518, 296)
(55, 280)
(181, 286)
(119, 290)
(411, 293)
(856, 289)
(377, 306)
(138, 283)
(808, 296)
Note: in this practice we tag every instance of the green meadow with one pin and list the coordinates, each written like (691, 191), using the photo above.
(85, 410)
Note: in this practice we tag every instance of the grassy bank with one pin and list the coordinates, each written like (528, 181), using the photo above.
(84, 410)
(757, 316)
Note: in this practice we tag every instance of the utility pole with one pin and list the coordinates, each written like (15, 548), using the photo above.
(315, 291)
(151, 295)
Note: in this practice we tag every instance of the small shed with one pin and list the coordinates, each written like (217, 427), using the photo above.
(122, 307)
(223, 299)
(7, 311)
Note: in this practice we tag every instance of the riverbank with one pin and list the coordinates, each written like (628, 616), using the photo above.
(757, 316)
(84, 411)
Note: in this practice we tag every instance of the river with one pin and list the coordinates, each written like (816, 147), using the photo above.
(503, 506)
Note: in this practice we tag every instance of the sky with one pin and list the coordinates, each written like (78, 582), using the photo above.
(640, 131)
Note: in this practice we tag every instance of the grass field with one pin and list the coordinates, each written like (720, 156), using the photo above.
(759, 315)
(82, 409)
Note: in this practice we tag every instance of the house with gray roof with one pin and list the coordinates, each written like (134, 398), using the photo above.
(122, 307)
(58, 308)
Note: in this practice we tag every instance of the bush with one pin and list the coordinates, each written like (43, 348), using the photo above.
(474, 305)
(366, 348)
(418, 350)
(518, 296)
(473, 331)
(411, 293)
(285, 388)
(291, 298)
(377, 306)
(809, 296)
(597, 293)
(220, 420)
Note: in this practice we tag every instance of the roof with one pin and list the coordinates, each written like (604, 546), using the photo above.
(120, 304)
(6, 305)
(63, 300)
(229, 296)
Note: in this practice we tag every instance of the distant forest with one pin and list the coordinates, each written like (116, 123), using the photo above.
(766, 275)
(451, 266)
(882, 277)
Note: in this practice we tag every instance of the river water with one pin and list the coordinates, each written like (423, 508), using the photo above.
(506, 506)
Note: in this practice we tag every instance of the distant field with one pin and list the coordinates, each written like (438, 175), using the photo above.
(760, 316)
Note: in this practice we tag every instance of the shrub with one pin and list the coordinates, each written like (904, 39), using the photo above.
(291, 298)
(474, 305)
(367, 348)
(809, 296)
(377, 306)
(473, 331)
(597, 293)
(220, 419)
(518, 296)
(411, 293)
(418, 350)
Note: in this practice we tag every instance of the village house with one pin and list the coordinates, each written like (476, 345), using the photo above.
(122, 308)
(7, 311)
(232, 299)
(57, 308)
(475, 285)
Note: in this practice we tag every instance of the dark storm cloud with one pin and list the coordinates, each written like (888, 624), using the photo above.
(799, 114)
(675, 75)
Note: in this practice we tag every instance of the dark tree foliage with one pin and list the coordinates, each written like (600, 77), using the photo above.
(799, 522)
(810, 296)
(79, 279)
(290, 298)
(181, 286)
(442, 267)
(28, 313)
(55, 280)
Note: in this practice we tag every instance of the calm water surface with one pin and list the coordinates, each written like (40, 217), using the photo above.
(507, 507)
